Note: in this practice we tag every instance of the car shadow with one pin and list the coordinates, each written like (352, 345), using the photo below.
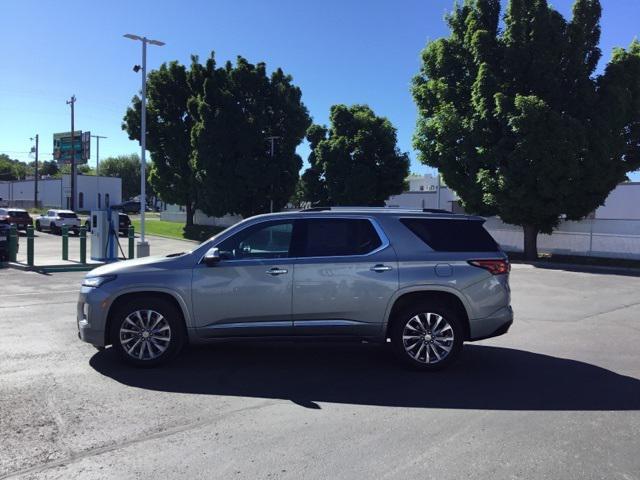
(488, 378)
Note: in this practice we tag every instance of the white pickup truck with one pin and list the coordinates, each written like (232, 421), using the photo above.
(54, 220)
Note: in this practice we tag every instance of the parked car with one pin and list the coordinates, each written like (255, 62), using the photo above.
(423, 282)
(54, 220)
(123, 223)
(16, 216)
(5, 227)
(130, 206)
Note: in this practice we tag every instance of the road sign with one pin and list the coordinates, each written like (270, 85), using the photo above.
(62, 147)
(86, 146)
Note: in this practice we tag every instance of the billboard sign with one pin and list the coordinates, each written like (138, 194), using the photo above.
(62, 147)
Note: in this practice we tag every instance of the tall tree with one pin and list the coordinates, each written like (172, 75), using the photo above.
(515, 118)
(168, 138)
(240, 112)
(11, 169)
(127, 167)
(48, 168)
(356, 161)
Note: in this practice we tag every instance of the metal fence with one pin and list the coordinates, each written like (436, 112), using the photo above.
(614, 238)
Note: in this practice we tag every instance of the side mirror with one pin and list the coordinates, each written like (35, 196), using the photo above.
(212, 256)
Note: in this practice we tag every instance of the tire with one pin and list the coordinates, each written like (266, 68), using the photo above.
(76, 232)
(420, 340)
(128, 330)
(53, 229)
(38, 226)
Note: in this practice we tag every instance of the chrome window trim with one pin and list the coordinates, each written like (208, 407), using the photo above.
(376, 226)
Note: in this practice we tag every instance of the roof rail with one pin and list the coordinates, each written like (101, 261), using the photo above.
(435, 210)
(315, 209)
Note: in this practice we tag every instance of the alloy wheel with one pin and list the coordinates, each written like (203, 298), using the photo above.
(145, 335)
(428, 338)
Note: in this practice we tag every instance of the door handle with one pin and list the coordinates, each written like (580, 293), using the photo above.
(380, 268)
(277, 271)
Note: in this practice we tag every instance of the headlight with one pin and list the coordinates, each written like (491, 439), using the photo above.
(97, 281)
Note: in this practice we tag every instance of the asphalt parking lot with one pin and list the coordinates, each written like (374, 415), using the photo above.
(557, 397)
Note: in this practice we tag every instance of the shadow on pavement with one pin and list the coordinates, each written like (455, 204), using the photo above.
(488, 378)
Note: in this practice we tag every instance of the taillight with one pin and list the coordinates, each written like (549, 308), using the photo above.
(497, 266)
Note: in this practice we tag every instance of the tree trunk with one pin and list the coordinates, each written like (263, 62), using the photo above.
(189, 213)
(530, 242)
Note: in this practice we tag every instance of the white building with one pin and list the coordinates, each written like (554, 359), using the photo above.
(622, 203)
(92, 192)
(422, 183)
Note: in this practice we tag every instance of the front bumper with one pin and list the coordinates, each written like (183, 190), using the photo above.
(91, 313)
(498, 323)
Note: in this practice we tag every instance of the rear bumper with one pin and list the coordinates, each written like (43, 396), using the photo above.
(494, 325)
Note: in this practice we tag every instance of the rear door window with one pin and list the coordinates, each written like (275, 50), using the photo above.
(333, 237)
(452, 235)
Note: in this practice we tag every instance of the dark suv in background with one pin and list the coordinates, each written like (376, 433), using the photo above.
(16, 216)
(424, 282)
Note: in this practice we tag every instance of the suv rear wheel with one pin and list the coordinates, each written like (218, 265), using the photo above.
(147, 331)
(427, 336)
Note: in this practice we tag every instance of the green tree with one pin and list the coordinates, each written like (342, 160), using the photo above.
(169, 125)
(83, 169)
(515, 118)
(239, 109)
(127, 167)
(11, 169)
(7, 168)
(48, 168)
(356, 161)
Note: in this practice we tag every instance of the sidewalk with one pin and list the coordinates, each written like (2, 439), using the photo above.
(48, 251)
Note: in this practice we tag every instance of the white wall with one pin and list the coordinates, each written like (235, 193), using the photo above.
(53, 192)
(176, 213)
(597, 237)
(622, 202)
(420, 200)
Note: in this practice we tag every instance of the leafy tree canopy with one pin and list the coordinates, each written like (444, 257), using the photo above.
(237, 113)
(127, 167)
(11, 169)
(168, 137)
(354, 162)
(515, 118)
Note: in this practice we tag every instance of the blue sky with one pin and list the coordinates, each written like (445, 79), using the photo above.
(337, 51)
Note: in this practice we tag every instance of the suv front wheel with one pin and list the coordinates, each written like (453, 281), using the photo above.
(147, 331)
(427, 337)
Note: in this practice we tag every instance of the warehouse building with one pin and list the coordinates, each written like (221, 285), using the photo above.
(93, 192)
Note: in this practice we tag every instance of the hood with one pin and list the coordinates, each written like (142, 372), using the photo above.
(137, 265)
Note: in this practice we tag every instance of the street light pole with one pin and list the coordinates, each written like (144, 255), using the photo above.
(35, 176)
(143, 246)
(72, 204)
(98, 137)
(272, 139)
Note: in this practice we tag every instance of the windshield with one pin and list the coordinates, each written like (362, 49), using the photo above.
(67, 215)
(18, 213)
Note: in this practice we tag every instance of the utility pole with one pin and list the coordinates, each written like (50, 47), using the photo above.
(98, 137)
(272, 139)
(72, 205)
(35, 177)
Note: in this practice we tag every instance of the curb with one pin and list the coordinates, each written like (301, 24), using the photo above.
(577, 267)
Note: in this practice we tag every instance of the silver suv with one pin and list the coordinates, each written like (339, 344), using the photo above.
(424, 282)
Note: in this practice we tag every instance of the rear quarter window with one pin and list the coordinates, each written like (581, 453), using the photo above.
(452, 235)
